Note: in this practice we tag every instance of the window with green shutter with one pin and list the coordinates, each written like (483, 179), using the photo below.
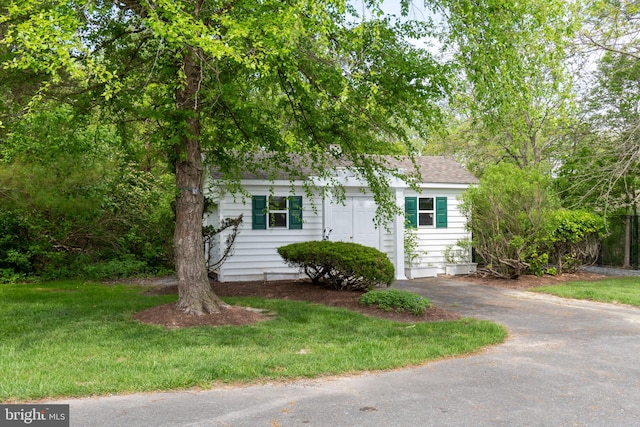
(425, 212)
(276, 212)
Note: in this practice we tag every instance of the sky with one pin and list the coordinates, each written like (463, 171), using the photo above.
(417, 12)
(392, 7)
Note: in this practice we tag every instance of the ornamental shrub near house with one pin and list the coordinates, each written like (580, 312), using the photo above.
(340, 265)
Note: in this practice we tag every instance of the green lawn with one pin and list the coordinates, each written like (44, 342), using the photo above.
(616, 290)
(79, 339)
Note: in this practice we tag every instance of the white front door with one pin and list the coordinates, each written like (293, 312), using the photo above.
(353, 222)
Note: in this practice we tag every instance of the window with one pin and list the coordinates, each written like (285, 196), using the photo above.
(276, 212)
(425, 212)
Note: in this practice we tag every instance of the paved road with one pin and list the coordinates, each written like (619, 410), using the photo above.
(566, 363)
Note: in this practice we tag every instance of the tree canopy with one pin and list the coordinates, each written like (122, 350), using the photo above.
(231, 79)
(514, 88)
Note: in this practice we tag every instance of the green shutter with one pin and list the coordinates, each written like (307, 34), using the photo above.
(411, 212)
(441, 212)
(295, 212)
(259, 212)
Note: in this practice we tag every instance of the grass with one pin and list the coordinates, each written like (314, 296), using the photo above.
(616, 290)
(79, 339)
(396, 299)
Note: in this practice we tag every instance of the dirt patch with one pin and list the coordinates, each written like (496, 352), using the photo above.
(526, 282)
(167, 316)
(298, 290)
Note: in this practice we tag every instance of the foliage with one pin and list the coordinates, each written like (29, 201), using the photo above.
(8, 275)
(248, 83)
(325, 77)
(603, 166)
(508, 215)
(460, 253)
(113, 269)
(518, 227)
(413, 255)
(573, 238)
(611, 26)
(515, 90)
(111, 353)
(396, 299)
(72, 196)
(340, 265)
(600, 168)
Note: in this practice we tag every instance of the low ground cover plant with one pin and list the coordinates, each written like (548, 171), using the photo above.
(340, 265)
(79, 339)
(396, 299)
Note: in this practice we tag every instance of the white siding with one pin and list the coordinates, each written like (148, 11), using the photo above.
(255, 250)
(435, 240)
(256, 254)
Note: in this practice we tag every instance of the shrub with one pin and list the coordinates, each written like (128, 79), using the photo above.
(460, 253)
(573, 238)
(75, 193)
(396, 299)
(508, 214)
(340, 265)
(8, 275)
(114, 269)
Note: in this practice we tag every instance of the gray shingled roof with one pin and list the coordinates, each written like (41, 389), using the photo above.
(437, 169)
(433, 169)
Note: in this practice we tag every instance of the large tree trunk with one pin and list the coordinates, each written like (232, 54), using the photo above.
(195, 294)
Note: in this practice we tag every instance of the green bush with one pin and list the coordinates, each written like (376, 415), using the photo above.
(79, 192)
(8, 275)
(340, 265)
(574, 238)
(508, 214)
(396, 299)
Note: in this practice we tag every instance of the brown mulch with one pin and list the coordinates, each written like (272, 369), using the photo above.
(299, 290)
(526, 282)
(302, 290)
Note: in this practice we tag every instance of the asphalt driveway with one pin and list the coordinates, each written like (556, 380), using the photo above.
(566, 363)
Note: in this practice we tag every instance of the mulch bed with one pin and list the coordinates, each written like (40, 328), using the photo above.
(526, 282)
(298, 290)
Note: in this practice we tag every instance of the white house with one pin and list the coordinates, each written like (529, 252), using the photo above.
(278, 213)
